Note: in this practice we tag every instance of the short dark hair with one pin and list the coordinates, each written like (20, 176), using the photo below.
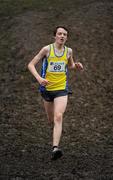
(57, 27)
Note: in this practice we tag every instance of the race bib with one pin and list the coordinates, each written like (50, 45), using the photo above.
(56, 67)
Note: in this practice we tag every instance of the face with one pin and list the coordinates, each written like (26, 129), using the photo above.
(61, 36)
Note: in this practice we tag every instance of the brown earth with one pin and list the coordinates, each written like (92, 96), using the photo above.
(25, 135)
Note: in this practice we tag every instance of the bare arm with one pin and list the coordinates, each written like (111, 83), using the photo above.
(71, 63)
(31, 66)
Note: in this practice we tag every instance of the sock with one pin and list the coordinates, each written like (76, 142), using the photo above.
(55, 147)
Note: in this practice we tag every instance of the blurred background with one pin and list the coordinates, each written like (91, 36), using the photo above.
(25, 135)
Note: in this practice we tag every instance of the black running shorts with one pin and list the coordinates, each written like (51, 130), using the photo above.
(50, 95)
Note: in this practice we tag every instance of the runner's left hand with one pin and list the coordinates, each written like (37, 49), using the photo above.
(79, 66)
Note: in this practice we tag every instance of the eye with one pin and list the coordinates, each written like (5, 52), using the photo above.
(59, 33)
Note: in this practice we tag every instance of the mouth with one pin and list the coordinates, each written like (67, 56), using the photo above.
(62, 39)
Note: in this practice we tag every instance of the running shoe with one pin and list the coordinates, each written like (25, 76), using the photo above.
(56, 153)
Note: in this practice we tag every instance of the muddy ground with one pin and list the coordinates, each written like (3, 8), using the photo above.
(25, 135)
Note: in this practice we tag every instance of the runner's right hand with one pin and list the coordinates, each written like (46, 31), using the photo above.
(43, 81)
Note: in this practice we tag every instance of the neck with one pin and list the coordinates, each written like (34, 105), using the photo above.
(59, 46)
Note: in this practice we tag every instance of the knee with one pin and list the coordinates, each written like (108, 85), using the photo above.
(50, 118)
(58, 117)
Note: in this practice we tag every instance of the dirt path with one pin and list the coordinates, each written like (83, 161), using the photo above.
(25, 135)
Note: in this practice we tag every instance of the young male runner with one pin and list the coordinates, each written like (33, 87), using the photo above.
(57, 59)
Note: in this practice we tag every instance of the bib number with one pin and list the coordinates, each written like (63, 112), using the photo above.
(56, 67)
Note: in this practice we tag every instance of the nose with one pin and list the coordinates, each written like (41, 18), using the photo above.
(62, 35)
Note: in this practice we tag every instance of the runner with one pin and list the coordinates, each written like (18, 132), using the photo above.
(57, 59)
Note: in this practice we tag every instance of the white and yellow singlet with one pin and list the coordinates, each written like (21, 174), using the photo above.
(54, 69)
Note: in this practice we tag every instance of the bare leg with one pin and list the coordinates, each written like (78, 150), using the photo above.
(49, 108)
(60, 104)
